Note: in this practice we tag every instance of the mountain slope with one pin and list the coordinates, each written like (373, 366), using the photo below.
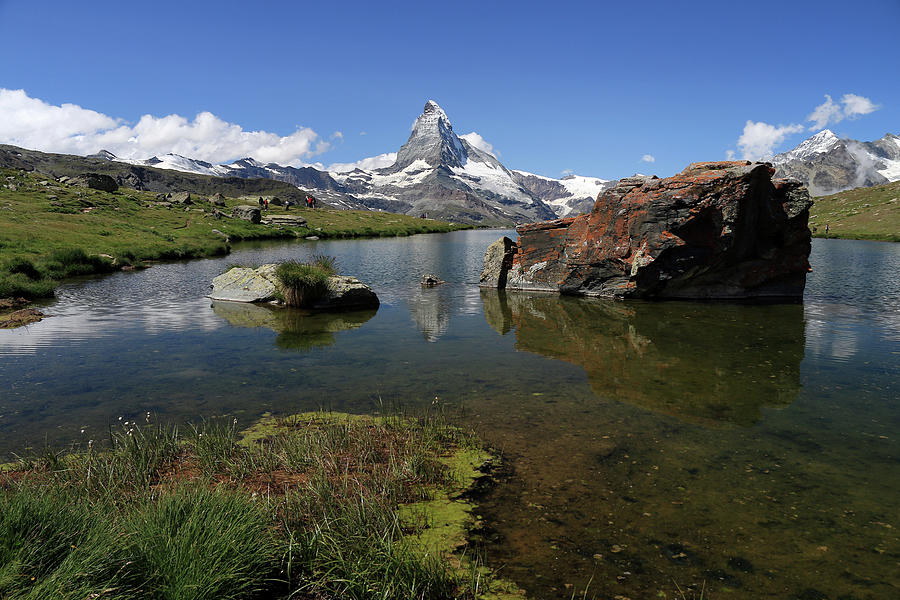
(441, 175)
(828, 164)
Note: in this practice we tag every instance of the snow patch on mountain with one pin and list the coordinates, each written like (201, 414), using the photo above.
(491, 178)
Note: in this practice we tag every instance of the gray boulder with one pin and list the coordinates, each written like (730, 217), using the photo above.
(182, 198)
(498, 259)
(284, 220)
(217, 199)
(242, 284)
(95, 181)
(247, 213)
(346, 293)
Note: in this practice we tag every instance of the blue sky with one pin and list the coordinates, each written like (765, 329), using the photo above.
(588, 87)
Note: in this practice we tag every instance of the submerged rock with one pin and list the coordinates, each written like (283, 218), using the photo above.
(717, 230)
(429, 280)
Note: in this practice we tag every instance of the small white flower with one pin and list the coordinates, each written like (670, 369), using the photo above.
(82, 431)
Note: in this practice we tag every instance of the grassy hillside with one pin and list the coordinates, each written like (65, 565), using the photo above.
(863, 214)
(49, 230)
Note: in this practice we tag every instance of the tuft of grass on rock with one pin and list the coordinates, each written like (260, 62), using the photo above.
(302, 283)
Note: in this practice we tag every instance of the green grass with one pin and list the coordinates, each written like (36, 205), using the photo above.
(49, 231)
(304, 507)
(863, 213)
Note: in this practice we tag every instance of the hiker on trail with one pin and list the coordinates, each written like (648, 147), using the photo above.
(266, 207)
(826, 228)
(308, 202)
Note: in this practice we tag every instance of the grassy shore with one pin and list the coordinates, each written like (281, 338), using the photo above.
(49, 231)
(308, 507)
(863, 214)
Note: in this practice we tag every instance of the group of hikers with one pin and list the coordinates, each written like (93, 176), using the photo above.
(311, 202)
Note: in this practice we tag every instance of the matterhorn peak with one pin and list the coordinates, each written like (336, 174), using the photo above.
(432, 140)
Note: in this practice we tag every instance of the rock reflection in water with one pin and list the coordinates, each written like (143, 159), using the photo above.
(709, 364)
(297, 329)
(430, 309)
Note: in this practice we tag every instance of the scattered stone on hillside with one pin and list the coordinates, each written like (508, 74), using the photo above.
(284, 220)
(182, 198)
(162, 197)
(220, 234)
(276, 201)
(130, 180)
(429, 280)
(247, 213)
(717, 230)
(217, 199)
(64, 179)
(95, 181)
(497, 263)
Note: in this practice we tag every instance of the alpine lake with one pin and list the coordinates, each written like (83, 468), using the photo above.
(650, 450)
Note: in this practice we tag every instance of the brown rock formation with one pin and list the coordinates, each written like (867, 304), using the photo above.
(717, 230)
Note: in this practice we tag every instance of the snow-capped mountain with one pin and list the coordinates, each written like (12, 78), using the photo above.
(569, 196)
(828, 164)
(436, 173)
(443, 176)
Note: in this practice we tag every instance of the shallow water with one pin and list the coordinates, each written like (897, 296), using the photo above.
(750, 449)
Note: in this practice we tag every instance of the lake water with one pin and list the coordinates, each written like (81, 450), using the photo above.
(750, 450)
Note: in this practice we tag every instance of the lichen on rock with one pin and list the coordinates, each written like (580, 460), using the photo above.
(717, 230)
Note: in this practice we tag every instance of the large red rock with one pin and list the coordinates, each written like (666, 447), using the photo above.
(717, 230)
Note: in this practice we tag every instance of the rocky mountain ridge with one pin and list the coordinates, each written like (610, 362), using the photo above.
(436, 173)
(827, 164)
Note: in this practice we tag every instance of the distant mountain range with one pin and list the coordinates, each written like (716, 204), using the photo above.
(828, 164)
(441, 175)
(436, 173)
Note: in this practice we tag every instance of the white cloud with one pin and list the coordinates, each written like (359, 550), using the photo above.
(368, 164)
(363, 133)
(830, 112)
(729, 154)
(567, 172)
(337, 135)
(648, 158)
(480, 143)
(825, 113)
(857, 105)
(68, 128)
(759, 139)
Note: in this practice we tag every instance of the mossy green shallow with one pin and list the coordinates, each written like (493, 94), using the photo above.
(49, 231)
(314, 505)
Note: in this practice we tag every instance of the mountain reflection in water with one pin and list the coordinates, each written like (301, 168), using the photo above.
(297, 329)
(707, 364)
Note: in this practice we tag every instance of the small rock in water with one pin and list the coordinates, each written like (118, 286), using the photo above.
(429, 280)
